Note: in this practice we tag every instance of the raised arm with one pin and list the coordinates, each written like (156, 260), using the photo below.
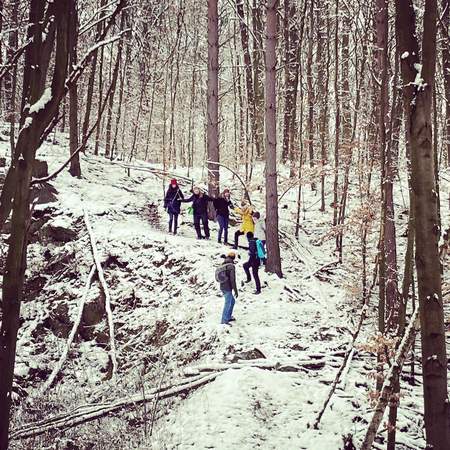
(187, 200)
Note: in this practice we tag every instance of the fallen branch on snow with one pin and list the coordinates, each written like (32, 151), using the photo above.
(51, 379)
(394, 373)
(87, 413)
(101, 277)
(281, 366)
(350, 350)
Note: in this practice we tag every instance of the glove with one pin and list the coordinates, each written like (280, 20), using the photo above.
(236, 294)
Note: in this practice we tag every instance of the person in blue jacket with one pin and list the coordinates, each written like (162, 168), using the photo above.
(200, 209)
(172, 204)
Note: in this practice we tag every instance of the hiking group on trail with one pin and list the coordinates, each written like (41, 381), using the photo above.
(252, 226)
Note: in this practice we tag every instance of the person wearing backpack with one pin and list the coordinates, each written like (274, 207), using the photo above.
(226, 277)
(222, 205)
(253, 262)
(260, 235)
(172, 204)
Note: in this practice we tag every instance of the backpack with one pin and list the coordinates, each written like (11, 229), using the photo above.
(222, 274)
(260, 250)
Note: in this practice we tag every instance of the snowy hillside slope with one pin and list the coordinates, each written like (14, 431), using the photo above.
(167, 308)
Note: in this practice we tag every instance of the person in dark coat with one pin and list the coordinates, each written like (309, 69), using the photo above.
(226, 276)
(222, 205)
(200, 209)
(172, 203)
(253, 262)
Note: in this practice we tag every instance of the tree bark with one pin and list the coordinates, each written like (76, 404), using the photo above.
(37, 55)
(213, 97)
(11, 75)
(445, 21)
(75, 168)
(418, 81)
(90, 89)
(248, 75)
(273, 244)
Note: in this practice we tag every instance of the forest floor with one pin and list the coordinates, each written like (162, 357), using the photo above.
(167, 308)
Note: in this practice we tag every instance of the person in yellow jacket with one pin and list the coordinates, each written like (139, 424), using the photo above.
(246, 213)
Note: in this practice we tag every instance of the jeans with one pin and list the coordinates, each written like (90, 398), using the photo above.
(236, 237)
(254, 264)
(204, 218)
(228, 306)
(223, 227)
(173, 220)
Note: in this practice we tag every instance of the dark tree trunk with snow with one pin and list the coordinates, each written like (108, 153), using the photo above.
(45, 107)
(445, 22)
(75, 168)
(11, 74)
(418, 81)
(213, 97)
(273, 244)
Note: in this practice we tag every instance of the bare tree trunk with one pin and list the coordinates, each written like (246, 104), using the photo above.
(258, 74)
(11, 75)
(90, 89)
(248, 74)
(323, 81)
(100, 93)
(337, 123)
(213, 97)
(115, 75)
(311, 100)
(445, 21)
(273, 244)
(75, 168)
(418, 82)
(37, 53)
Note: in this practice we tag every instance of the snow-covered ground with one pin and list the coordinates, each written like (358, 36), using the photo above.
(167, 309)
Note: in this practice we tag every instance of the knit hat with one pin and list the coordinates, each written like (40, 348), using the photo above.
(173, 181)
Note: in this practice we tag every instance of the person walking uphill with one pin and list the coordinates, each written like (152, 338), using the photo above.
(245, 212)
(222, 205)
(226, 277)
(172, 203)
(253, 262)
(200, 208)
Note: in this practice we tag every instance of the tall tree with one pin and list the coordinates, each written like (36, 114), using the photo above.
(418, 82)
(445, 21)
(11, 75)
(44, 103)
(213, 98)
(75, 168)
(273, 244)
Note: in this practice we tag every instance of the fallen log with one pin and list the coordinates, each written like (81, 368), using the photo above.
(350, 351)
(87, 413)
(51, 379)
(101, 277)
(280, 366)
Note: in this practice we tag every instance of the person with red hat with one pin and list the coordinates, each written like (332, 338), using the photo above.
(172, 204)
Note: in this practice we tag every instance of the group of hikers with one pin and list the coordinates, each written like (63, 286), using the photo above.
(253, 227)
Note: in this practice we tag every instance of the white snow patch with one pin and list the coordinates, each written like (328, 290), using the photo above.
(40, 104)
